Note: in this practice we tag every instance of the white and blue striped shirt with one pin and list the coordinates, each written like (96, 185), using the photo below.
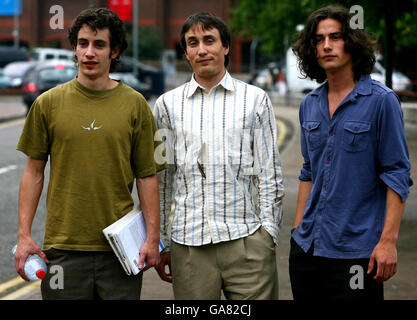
(224, 176)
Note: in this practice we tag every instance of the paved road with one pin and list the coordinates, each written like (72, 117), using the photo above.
(402, 286)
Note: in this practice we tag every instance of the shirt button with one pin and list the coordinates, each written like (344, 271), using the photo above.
(328, 160)
(356, 129)
(331, 133)
(325, 188)
(319, 213)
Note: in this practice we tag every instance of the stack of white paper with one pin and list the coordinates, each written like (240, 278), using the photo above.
(126, 236)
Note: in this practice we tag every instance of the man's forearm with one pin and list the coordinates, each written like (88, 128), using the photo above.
(304, 190)
(149, 202)
(393, 216)
(30, 191)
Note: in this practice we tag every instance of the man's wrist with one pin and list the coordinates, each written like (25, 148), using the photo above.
(165, 250)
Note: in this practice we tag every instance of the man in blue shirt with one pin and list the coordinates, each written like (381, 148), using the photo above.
(356, 172)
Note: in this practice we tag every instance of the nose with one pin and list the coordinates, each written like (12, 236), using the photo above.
(90, 51)
(327, 45)
(202, 49)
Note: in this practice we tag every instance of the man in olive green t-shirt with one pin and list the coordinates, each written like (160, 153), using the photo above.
(99, 136)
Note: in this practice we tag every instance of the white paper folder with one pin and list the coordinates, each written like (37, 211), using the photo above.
(126, 237)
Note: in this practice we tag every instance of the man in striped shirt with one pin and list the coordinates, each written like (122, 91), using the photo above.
(224, 176)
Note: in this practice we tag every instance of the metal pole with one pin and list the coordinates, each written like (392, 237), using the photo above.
(135, 35)
(253, 46)
(16, 24)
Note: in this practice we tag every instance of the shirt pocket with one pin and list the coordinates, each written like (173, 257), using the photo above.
(312, 132)
(356, 136)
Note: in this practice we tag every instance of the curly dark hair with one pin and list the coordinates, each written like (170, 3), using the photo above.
(357, 43)
(207, 21)
(101, 18)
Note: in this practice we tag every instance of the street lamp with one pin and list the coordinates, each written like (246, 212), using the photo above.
(135, 35)
(16, 24)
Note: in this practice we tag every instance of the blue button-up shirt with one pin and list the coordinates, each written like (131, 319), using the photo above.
(351, 159)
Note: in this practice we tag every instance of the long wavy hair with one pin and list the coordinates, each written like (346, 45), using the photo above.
(357, 43)
(101, 18)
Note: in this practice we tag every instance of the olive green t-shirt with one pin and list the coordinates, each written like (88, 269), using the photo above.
(98, 142)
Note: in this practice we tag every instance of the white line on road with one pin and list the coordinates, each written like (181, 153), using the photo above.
(8, 168)
(11, 123)
(22, 292)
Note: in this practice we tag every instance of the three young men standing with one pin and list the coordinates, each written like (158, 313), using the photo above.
(224, 176)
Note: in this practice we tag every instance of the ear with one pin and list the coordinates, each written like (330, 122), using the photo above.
(115, 53)
(226, 50)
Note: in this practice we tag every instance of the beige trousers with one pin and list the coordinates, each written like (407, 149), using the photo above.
(244, 269)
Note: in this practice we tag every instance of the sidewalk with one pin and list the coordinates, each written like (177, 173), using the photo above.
(11, 107)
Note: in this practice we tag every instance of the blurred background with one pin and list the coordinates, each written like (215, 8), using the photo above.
(35, 55)
(263, 31)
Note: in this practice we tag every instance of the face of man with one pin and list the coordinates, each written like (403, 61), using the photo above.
(330, 46)
(94, 53)
(205, 52)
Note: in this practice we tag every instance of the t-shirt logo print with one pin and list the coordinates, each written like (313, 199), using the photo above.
(91, 127)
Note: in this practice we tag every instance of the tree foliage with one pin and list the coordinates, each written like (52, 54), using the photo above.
(273, 22)
(150, 43)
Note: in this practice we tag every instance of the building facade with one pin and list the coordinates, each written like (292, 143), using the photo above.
(38, 22)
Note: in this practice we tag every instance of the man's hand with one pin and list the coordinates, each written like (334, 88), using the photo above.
(385, 252)
(149, 256)
(385, 256)
(160, 268)
(149, 202)
(25, 248)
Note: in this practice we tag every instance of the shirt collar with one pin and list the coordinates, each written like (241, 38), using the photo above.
(226, 82)
(363, 87)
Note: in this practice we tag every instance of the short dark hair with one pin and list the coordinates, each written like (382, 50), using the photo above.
(101, 18)
(207, 21)
(357, 43)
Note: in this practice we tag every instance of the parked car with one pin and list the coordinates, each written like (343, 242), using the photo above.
(10, 54)
(16, 71)
(146, 74)
(46, 76)
(4, 80)
(399, 80)
(132, 81)
(44, 54)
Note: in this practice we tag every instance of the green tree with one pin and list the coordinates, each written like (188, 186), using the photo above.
(273, 22)
(150, 43)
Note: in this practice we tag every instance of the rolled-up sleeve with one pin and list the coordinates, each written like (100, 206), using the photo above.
(305, 174)
(393, 156)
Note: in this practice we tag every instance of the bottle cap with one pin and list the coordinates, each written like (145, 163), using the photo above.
(40, 274)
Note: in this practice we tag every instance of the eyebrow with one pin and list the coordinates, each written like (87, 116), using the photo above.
(96, 41)
(205, 37)
(330, 34)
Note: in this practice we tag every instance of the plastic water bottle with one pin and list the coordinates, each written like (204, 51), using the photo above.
(35, 267)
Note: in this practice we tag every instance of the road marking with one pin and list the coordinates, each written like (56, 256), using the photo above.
(282, 132)
(12, 123)
(10, 284)
(22, 291)
(8, 168)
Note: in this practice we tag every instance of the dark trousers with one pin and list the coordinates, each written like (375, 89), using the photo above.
(319, 278)
(88, 275)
